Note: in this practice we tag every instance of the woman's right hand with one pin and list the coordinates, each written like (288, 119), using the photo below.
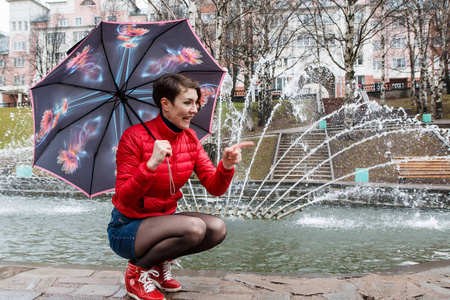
(161, 150)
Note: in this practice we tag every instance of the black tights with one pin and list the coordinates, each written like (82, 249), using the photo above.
(171, 236)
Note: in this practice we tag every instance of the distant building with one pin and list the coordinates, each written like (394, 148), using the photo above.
(40, 35)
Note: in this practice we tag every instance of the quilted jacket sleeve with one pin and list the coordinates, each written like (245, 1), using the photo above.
(133, 178)
(215, 180)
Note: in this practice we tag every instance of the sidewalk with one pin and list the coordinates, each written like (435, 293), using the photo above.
(424, 281)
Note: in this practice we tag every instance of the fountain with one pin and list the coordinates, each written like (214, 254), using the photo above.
(344, 226)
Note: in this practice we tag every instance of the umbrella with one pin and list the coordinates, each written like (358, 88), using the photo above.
(104, 86)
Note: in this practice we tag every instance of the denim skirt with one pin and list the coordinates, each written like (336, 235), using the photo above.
(122, 234)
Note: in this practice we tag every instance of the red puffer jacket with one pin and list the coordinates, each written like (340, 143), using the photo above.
(142, 192)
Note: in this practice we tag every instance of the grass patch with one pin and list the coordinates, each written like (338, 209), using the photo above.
(376, 151)
(16, 127)
(406, 103)
(263, 159)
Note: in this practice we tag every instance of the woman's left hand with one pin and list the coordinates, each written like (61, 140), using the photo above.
(233, 155)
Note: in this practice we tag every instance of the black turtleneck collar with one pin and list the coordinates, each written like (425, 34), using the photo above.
(169, 124)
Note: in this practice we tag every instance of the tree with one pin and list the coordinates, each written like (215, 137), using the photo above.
(48, 41)
(274, 30)
(341, 29)
(440, 26)
(419, 17)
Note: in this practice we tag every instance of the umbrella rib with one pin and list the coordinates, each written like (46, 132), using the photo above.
(94, 109)
(75, 85)
(107, 59)
(145, 53)
(101, 140)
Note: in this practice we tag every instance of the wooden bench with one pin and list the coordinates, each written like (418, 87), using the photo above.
(421, 167)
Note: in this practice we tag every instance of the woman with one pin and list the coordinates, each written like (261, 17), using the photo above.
(150, 173)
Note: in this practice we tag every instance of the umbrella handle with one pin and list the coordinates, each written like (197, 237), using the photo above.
(171, 182)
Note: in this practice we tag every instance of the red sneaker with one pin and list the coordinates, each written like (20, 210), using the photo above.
(139, 284)
(163, 279)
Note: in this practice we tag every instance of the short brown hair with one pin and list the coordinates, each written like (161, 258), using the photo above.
(171, 85)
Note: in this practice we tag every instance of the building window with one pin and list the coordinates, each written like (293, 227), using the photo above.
(63, 22)
(97, 20)
(360, 80)
(25, 25)
(377, 65)
(19, 46)
(359, 60)
(376, 45)
(418, 62)
(282, 62)
(305, 41)
(398, 42)
(305, 19)
(56, 38)
(55, 57)
(77, 21)
(19, 80)
(280, 83)
(437, 41)
(79, 35)
(87, 3)
(111, 18)
(19, 62)
(13, 26)
(359, 15)
(2, 80)
(19, 25)
(399, 21)
(2, 63)
(399, 62)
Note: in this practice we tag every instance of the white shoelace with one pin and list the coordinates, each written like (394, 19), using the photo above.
(146, 281)
(167, 266)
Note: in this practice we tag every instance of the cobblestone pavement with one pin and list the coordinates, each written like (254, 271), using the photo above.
(424, 281)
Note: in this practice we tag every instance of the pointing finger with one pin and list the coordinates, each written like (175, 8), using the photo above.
(243, 145)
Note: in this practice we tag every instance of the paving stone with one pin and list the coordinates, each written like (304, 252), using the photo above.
(197, 279)
(16, 283)
(55, 272)
(60, 290)
(106, 273)
(69, 297)
(349, 295)
(384, 290)
(254, 281)
(90, 280)
(272, 296)
(19, 295)
(413, 291)
(236, 289)
(305, 289)
(296, 297)
(200, 288)
(120, 293)
(97, 290)
(197, 296)
(45, 283)
(345, 286)
(9, 271)
(436, 288)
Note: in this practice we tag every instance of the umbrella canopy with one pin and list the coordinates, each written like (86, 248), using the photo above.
(82, 107)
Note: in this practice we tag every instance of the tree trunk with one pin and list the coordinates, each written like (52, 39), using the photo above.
(349, 60)
(383, 57)
(265, 103)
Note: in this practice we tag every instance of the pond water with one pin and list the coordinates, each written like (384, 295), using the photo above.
(321, 239)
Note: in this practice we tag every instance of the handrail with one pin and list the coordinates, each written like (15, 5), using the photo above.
(329, 154)
(275, 156)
